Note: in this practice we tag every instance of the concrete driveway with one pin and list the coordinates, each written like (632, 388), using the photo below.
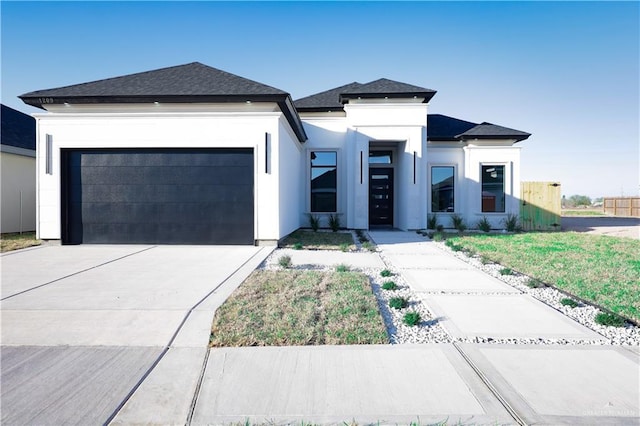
(83, 327)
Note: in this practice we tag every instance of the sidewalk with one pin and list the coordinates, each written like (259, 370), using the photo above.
(462, 383)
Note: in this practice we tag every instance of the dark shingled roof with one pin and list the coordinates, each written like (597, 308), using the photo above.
(17, 129)
(189, 83)
(389, 88)
(334, 99)
(324, 101)
(194, 79)
(493, 131)
(444, 128)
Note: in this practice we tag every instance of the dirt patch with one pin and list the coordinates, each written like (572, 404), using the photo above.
(628, 227)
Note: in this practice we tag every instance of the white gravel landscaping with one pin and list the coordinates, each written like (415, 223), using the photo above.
(584, 314)
(430, 331)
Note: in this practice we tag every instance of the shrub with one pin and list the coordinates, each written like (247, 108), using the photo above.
(506, 271)
(432, 221)
(344, 247)
(297, 246)
(389, 285)
(439, 228)
(386, 273)
(367, 245)
(484, 224)
(411, 318)
(437, 237)
(533, 283)
(398, 302)
(458, 223)
(484, 259)
(611, 320)
(453, 246)
(342, 268)
(511, 223)
(314, 222)
(334, 222)
(569, 302)
(361, 237)
(285, 261)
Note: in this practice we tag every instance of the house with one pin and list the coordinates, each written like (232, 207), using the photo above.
(194, 155)
(17, 171)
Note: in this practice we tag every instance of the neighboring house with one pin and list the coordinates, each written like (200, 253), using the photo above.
(194, 155)
(17, 171)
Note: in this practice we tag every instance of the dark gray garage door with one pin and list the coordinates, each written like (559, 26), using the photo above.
(157, 196)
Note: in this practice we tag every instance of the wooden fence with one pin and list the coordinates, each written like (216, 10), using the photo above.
(622, 206)
(540, 206)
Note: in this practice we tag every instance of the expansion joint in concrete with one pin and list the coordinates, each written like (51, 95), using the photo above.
(173, 338)
(512, 412)
(196, 392)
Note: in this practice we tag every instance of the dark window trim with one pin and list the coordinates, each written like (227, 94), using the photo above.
(311, 167)
(455, 183)
(483, 167)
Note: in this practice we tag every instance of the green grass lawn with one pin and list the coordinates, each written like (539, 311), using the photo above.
(15, 241)
(288, 307)
(598, 268)
(319, 240)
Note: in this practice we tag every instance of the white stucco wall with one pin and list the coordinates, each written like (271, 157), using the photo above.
(399, 126)
(18, 191)
(291, 176)
(327, 133)
(403, 126)
(163, 126)
(282, 172)
(487, 154)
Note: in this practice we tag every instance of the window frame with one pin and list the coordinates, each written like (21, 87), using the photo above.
(310, 168)
(505, 175)
(455, 187)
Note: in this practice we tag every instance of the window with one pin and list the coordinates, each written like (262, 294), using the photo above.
(324, 181)
(442, 189)
(492, 189)
(380, 157)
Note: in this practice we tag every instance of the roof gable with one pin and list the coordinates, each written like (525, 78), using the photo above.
(17, 129)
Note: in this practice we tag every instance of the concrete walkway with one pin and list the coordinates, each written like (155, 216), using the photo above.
(457, 383)
(90, 376)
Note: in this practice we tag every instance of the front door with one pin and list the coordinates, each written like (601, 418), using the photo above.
(381, 196)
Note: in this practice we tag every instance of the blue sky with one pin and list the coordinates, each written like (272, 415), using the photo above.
(566, 72)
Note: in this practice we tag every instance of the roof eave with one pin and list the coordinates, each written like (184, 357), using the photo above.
(442, 139)
(517, 138)
(284, 102)
(291, 114)
(320, 109)
(397, 95)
